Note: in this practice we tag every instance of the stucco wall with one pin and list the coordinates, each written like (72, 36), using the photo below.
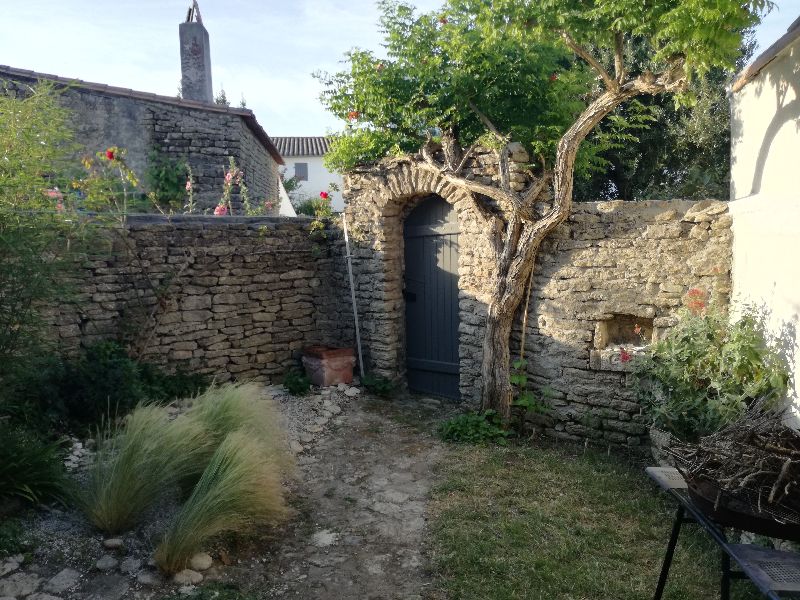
(765, 138)
(319, 178)
(202, 138)
(610, 259)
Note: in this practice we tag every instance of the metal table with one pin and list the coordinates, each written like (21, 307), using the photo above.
(775, 573)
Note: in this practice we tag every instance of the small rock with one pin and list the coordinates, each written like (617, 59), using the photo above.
(341, 387)
(321, 421)
(19, 584)
(130, 565)
(62, 581)
(8, 566)
(296, 447)
(313, 428)
(306, 438)
(40, 596)
(187, 590)
(324, 538)
(201, 561)
(335, 409)
(106, 563)
(353, 391)
(187, 577)
(149, 579)
(113, 543)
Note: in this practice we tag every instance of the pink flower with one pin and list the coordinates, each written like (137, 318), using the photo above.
(323, 195)
(60, 207)
(624, 355)
(110, 154)
(228, 177)
(268, 205)
(188, 185)
(221, 210)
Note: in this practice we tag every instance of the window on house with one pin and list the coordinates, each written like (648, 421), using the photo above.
(301, 171)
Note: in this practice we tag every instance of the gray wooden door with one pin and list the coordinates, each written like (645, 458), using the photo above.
(431, 298)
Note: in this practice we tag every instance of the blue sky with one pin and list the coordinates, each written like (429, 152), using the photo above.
(265, 50)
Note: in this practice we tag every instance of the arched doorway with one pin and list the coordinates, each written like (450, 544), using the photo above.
(431, 297)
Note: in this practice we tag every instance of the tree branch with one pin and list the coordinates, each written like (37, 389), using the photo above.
(486, 121)
(583, 53)
(619, 56)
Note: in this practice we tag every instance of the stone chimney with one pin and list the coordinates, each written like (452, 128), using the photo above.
(195, 58)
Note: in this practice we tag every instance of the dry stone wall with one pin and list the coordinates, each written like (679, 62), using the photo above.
(231, 297)
(202, 137)
(611, 265)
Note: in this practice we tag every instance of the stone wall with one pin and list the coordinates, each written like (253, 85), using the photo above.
(203, 137)
(611, 265)
(232, 297)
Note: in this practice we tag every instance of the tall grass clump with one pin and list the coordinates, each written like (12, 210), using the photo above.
(136, 462)
(241, 487)
(224, 409)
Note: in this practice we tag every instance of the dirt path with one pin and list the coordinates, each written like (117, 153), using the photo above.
(362, 529)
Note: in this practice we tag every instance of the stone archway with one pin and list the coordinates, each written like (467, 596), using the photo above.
(378, 201)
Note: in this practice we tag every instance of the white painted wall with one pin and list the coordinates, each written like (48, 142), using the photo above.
(319, 178)
(765, 201)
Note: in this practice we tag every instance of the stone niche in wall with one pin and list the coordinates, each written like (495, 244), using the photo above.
(617, 340)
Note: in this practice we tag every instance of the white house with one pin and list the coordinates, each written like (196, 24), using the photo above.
(765, 192)
(303, 158)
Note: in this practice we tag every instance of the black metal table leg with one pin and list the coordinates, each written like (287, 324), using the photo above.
(673, 540)
(725, 582)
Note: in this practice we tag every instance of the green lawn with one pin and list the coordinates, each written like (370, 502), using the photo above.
(542, 523)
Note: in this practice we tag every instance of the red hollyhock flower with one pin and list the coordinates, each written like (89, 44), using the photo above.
(624, 355)
(110, 154)
(553, 76)
(323, 195)
(353, 115)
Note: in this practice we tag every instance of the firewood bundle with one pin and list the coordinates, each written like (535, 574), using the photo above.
(755, 460)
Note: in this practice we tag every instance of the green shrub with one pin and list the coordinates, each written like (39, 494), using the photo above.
(240, 488)
(30, 468)
(102, 383)
(378, 385)
(297, 382)
(307, 207)
(137, 461)
(475, 428)
(706, 372)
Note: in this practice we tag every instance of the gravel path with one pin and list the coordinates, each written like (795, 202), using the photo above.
(364, 486)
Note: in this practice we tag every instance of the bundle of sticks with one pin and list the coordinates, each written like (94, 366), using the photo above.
(755, 460)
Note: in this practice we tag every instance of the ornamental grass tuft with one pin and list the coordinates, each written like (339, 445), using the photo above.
(137, 461)
(241, 487)
(224, 409)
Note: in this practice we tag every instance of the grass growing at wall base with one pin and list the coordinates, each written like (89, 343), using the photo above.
(544, 524)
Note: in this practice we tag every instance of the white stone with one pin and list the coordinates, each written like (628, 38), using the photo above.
(353, 391)
(62, 581)
(187, 577)
(106, 563)
(341, 387)
(130, 565)
(296, 447)
(113, 543)
(149, 579)
(8, 566)
(19, 584)
(324, 538)
(201, 561)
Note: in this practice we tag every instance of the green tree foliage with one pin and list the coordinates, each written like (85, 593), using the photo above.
(35, 149)
(449, 71)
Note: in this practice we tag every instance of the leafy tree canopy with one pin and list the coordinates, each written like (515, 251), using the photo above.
(454, 70)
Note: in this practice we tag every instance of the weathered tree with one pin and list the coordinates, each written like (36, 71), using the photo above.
(492, 71)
